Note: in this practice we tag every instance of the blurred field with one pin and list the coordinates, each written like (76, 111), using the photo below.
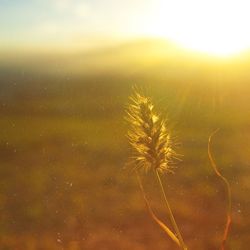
(64, 179)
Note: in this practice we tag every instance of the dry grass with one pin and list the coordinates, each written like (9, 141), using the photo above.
(229, 194)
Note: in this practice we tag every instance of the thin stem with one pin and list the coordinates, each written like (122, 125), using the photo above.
(182, 244)
(154, 217)
(229, 194)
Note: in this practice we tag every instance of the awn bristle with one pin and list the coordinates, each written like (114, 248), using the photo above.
(148, 135)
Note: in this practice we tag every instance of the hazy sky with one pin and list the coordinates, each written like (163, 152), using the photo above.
(24, 22)
(215, 26)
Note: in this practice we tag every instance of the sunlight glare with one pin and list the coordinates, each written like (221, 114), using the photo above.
(218, 27)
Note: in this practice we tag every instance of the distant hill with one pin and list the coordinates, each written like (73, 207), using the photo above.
(141, 57)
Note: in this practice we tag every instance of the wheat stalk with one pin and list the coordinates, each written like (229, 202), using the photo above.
(152, 145)
(165, 228)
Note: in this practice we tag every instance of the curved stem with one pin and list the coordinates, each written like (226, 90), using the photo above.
(154, 217)
(229, 194)
(182, 244)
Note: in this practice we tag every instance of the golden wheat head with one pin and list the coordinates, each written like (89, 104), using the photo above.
(148, 135)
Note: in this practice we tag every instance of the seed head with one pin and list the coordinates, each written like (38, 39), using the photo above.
(148, 135)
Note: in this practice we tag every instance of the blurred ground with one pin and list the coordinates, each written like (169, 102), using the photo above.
(64, 179)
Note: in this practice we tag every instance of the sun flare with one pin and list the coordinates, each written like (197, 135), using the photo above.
(218, 27)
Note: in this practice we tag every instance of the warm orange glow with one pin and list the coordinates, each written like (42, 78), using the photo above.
(218, 27)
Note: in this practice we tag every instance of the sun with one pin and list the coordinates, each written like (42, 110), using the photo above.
(218, 27)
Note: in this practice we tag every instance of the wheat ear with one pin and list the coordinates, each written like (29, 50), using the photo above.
(152, 144)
